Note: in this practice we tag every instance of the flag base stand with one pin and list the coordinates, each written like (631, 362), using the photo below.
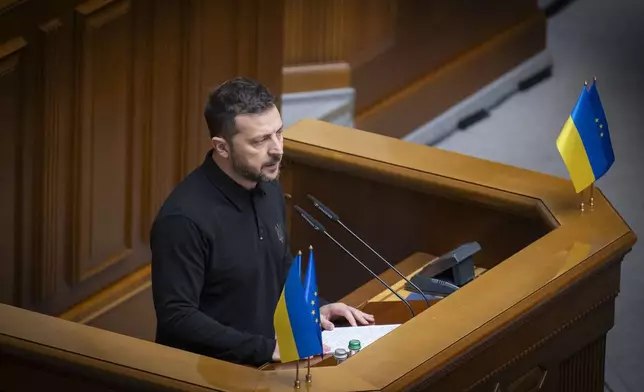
(591, 200)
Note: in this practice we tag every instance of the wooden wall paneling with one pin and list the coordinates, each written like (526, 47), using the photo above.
(11, 88)
(163, 106)
(19, 16)
(323, 39)
(86, 156)
(258, 27)
(192, 133)
(430, 34)
(331, 31)
(373, 29)
(5, 5)
(30, 101)
(227, 39)
(269, 47)
(207, 57)
(103, 148)
(125, 307)
(414, 105)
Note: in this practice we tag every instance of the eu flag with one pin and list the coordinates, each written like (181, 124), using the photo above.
(311, 293)
(601, 122)
(584, 142)
(297, 335)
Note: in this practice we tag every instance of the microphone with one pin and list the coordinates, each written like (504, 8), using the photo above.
(318, 227)
(334, 217)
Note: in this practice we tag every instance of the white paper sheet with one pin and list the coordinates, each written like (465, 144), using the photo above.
(339, 337)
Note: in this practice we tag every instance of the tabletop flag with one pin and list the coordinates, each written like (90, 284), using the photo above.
(297, 336)
(584, 141)
(311, 294)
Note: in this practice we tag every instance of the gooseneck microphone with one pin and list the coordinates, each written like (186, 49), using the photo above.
(335, 218)
(318, 227)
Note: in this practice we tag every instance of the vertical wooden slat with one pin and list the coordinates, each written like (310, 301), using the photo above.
(584, 371)
(165, 105)
(11, 100)
(54, 157)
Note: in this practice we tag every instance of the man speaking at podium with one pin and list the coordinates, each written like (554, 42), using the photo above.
(220, 253)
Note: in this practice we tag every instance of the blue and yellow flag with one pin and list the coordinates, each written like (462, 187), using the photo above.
(297, 335)
(311, 294)
(584, 142)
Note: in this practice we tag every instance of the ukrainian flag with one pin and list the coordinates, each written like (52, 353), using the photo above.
(584, 142)
(297, 335)
(311, 294)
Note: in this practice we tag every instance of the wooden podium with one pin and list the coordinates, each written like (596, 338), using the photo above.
(534, 319)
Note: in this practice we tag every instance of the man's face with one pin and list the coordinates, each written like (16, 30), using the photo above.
(257, 148)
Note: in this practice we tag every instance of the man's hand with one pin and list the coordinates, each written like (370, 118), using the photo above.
(333, 311)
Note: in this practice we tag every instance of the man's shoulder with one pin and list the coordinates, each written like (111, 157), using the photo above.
(193, 199)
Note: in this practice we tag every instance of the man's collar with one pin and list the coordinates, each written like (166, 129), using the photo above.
(234, 192)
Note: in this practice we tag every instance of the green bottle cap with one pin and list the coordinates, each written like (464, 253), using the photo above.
(354, 344)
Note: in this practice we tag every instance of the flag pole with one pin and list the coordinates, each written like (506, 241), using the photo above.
(582, 205)
(592, 185)
(296, 383)
(309, 377)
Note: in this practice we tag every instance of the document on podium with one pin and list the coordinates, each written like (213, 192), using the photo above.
(339, 337)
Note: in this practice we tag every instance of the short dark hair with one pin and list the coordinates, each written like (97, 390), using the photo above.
(239, 95)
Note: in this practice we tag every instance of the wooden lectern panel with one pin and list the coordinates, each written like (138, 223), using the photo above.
(395, 211)
(536, 318)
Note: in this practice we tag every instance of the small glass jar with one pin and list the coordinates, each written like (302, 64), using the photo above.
(340, 355)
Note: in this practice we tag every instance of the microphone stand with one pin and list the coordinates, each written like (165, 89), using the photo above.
(318, 227)
(334, 217)
(375, 275)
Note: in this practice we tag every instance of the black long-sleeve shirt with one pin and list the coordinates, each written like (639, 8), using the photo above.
(220, 255)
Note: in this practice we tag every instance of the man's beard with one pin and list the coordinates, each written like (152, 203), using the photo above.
(250, 173)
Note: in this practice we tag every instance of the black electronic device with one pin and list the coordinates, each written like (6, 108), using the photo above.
(447, 273)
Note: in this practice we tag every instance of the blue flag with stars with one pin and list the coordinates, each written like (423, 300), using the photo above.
(602, 123)
(311, 293)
